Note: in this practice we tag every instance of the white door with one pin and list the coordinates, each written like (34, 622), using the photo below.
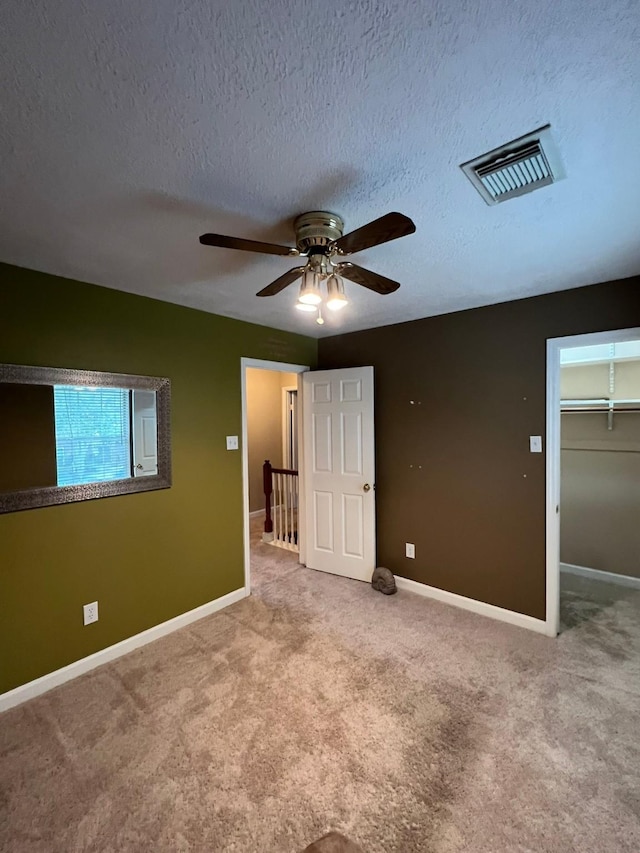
(145, 434)
(339, 471)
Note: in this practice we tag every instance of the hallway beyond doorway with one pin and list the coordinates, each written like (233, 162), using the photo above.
(268, 563)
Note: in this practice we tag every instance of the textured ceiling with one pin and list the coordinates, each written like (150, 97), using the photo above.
(128, 129)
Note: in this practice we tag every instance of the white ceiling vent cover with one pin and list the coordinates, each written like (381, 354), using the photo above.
(519, 167)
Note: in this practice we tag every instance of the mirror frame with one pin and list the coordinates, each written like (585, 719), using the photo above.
(52, 495)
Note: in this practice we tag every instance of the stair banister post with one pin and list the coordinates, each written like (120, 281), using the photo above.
(267, 479)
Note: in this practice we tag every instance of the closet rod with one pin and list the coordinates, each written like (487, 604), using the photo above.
(602, 409)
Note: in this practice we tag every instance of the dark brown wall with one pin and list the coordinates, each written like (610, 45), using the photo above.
(27, 437)
(453, 470)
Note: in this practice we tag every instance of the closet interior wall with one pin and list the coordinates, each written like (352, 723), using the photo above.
(600, 474)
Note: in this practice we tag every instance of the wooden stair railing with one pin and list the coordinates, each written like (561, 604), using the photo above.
(281, 506)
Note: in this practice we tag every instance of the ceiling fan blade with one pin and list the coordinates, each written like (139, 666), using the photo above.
(282, 282)
(372, 280)
(388, 227)
(224, 242)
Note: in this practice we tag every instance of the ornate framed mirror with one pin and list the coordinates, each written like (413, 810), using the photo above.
(75, 435)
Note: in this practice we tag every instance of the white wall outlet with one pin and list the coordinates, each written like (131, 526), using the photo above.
(410, 550)
(90, 612)
(535, 443)
(232, 442)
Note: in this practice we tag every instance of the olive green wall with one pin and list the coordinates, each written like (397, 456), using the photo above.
(144, 557)
(457, 397)
(27, 437)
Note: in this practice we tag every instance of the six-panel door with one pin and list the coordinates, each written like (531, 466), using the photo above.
(339, 471)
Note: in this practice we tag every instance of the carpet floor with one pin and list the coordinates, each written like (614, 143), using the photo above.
(318, 704)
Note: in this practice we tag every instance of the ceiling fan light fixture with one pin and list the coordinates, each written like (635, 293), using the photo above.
(336, 299)
(320, 237)
(304, 306)
(310, 289)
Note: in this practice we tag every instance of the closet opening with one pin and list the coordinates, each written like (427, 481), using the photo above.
(593, 478)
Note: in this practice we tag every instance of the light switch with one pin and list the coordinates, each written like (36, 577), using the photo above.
(232, 442)
(535, 443)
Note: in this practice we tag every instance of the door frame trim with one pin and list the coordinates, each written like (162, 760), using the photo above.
(554, 345)
(286, 389)
(280, 367)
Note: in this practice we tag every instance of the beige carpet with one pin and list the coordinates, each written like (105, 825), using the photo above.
(318, 704)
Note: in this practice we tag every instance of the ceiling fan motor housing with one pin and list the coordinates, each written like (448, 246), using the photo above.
(316, 230)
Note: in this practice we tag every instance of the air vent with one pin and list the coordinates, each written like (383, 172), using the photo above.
(519, 167)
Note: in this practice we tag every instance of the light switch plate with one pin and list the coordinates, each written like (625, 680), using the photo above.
(535, 443)
(232, 442)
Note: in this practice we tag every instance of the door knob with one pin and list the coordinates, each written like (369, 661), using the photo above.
(139, 466)
(366, 487)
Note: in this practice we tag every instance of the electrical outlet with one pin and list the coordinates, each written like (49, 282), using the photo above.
(90, 612)
(410, 550)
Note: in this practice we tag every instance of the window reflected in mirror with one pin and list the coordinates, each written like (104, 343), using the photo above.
(92, 434)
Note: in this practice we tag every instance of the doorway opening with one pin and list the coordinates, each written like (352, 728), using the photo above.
(270, 456)
(593, 475)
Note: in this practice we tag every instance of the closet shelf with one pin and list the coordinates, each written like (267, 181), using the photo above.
(603, 405)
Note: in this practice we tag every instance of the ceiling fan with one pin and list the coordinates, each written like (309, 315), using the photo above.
(319, 238)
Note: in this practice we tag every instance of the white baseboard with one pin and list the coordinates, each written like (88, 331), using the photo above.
(479, 607)
(599, 575)
(79, 667)
(256, 512)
